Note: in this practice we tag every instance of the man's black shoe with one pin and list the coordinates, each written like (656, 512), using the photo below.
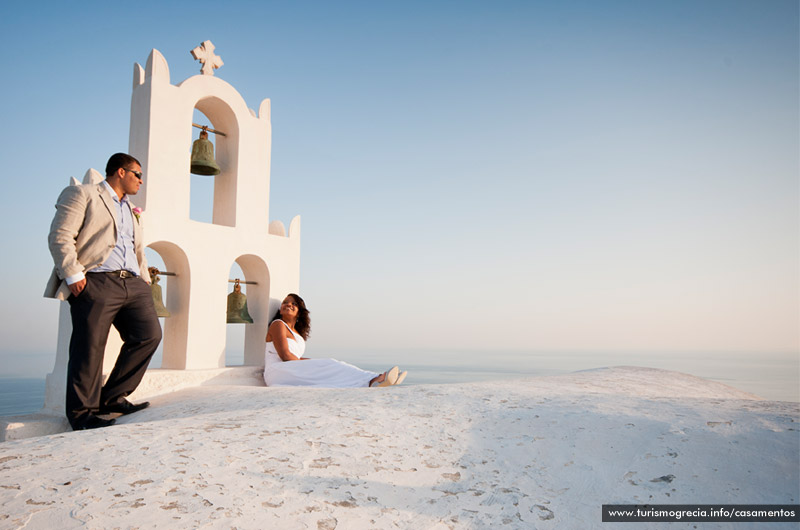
(93, 422)
(124, 407)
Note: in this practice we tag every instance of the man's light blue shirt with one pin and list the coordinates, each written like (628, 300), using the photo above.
(123, 257)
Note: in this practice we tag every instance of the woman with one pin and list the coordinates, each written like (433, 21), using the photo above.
(286, 344)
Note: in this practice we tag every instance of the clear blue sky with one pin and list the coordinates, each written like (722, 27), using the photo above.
(617, 176)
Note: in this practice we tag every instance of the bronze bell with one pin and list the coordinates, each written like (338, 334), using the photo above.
(155, 291)
(203, 162)
(237, 306)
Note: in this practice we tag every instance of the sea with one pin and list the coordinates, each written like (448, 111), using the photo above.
(773, 376)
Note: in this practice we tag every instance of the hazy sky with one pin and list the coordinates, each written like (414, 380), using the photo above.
(612, 175)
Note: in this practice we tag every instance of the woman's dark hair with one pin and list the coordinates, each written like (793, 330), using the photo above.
(303, 324)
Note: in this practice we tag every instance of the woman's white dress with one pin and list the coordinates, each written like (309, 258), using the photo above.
(328, 373)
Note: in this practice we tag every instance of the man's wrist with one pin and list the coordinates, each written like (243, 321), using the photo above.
(74, 278)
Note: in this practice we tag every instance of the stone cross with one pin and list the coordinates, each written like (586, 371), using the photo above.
(205, 54)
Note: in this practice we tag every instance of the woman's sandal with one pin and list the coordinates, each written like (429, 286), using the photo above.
(401, 378)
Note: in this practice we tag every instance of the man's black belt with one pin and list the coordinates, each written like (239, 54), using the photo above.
(119, 274)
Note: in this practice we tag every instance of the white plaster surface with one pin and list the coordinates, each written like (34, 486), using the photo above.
(541, 452)
(51, 419)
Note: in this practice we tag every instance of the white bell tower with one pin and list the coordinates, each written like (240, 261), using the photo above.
(201, 254)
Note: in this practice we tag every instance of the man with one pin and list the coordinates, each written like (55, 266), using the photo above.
(100, 269)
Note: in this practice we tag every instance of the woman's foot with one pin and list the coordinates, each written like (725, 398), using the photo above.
(401, 378)
(387, 378)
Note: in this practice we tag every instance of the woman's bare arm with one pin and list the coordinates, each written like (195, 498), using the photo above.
(278, 334)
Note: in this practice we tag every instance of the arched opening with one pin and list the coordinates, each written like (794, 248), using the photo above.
(201, 187)
(234, 337)
(245, 342)
(154, 260)
(213, 197)
(169, 258)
